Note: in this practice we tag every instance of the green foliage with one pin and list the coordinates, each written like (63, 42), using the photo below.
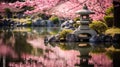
(54, 19)
(98, 26)
(109, 16)
(76, 19)
(64, 32)
(113, 31)
(109, 10)
(109, 20)
(76, 24)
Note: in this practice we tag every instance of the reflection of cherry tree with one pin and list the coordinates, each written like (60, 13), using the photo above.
(51, 57)
(104, 61)
(67, 6)
(56, 57)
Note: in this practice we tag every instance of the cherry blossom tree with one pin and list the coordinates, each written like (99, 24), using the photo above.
(64, 8)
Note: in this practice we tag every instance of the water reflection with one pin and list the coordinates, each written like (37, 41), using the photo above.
(27, 48)
(91, 54)
(36, 30)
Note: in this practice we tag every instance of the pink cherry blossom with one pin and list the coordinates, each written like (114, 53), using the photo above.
(61, 8)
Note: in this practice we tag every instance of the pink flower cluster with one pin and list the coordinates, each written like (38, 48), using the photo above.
(7, 5)
(62, 8)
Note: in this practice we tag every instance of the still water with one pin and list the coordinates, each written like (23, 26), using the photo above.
(25, 47)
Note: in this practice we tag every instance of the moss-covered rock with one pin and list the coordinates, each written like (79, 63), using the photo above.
(64, 32)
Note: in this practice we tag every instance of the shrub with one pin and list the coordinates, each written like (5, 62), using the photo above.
(64, 32)
(109, 10)
(54, 19)
(109, 16)
(113, 31)
(109, 20)
(76, 24)
(29, 23)
(98, 26)
(77, 19)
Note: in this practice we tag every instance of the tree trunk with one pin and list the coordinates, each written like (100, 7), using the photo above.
(116, 5)
(10, 1)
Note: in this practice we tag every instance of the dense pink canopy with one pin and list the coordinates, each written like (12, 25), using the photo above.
(62, 8)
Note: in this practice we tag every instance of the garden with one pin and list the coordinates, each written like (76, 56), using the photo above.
(59, 33)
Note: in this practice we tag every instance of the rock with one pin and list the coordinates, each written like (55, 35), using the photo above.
(108, 38)
(102, 37)
(116, 37)
(52, 39)
(72, 38)
(49, 23)
(71, 21)
(116, 45)
(95, 39)
(105, 38)
(45, 39)
(65, 24)
(71, 27)
(43, 23)
(37, 22)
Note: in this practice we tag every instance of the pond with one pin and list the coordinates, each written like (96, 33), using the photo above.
(25, 47)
